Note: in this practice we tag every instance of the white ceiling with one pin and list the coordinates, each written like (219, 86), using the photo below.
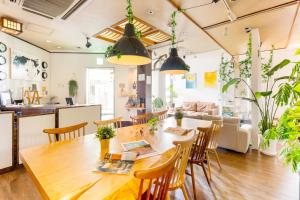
(96, 15)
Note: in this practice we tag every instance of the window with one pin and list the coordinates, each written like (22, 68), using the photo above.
(100, 89)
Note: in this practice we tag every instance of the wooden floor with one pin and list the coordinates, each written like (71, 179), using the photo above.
(250, 176)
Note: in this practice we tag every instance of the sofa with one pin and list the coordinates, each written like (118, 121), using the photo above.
(233, 135)
(198, 108)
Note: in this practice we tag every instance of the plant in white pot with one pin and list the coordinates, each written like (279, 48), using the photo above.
(269, 100)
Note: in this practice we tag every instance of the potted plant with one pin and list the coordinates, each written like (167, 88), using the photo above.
(269, 100)
(178, 116)
(73, 88)
(152, 123)
(157, 103)
(104, 134)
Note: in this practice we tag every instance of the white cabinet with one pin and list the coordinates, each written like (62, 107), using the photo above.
(31, 130)
(6, 140)
(78, 114)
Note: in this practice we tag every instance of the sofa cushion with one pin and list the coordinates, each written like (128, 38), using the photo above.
(204, 105)
(189, 106)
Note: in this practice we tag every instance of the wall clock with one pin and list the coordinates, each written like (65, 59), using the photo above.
(44, 75)
(44, 65)
(2, 60)
(3, 47)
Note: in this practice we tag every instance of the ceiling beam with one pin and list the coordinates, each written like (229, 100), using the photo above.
(284, 5)
(198, 25)
(293, 25)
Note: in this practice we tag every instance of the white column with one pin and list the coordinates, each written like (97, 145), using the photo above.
(255, 79)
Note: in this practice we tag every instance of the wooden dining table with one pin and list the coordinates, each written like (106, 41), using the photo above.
(66, 170)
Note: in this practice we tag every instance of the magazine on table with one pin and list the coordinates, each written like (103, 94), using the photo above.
(117, 163)
(141, 147)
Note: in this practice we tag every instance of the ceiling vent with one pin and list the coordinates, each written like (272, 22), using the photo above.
(50, 8)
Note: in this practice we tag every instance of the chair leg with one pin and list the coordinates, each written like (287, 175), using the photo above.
(205, 173)
(218, 159)
(193, 180)
(208, 164)
(186, 197)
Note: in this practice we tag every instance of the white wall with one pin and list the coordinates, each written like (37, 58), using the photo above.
(73, 66)
(13, 43)
(199, 63)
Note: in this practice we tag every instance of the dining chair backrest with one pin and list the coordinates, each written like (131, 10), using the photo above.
(140, 119)
(181, 163)
(201, 143)
(157, 178)
(115, 123)
(66, 133)
(160, 115)
(213, 143)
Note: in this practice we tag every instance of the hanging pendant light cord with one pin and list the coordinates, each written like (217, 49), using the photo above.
(173, 27)
(129, 12)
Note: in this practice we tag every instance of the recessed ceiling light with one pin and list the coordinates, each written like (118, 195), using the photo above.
(48, 41)
(59, 47)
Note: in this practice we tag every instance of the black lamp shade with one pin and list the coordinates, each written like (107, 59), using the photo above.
(129, 50)
(174, 64)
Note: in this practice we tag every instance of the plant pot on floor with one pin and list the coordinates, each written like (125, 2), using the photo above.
(270, 150)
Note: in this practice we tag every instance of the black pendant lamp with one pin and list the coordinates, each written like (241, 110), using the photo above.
(129, 50)
(174, 64)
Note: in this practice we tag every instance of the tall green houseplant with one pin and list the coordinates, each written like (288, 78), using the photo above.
(269, 100)
(73, 88)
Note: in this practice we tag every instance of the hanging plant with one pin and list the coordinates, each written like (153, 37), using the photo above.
(226, 71)
(245, 65)
(73, 88)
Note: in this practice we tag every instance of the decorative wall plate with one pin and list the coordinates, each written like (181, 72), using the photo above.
(2, 60)
(44, 65)
(3, 76)
(3, 47)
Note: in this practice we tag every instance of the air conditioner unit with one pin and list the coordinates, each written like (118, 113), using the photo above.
(51, 8)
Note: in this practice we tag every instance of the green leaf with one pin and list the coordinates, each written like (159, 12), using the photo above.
(283, 63)
(263, 94)
(297, 88)
(230, 83)
(246, 99)
(297, 52)
(282, 78)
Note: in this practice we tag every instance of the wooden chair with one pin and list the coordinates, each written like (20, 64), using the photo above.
(161, 115)
(178, 177)
(115, 123)
(140, 119)
(213, 145)
(157, 178)
(198, 154)
(65, 133)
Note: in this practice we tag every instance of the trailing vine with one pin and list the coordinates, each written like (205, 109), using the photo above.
(245, 65)
(129, 12)
(226, 70)
(265, 67)
(173, 25)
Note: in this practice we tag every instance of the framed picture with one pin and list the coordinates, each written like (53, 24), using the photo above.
(191, 80)
(210, 79)
(25, 67)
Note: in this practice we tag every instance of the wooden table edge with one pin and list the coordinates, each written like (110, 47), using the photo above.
(34, 178)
